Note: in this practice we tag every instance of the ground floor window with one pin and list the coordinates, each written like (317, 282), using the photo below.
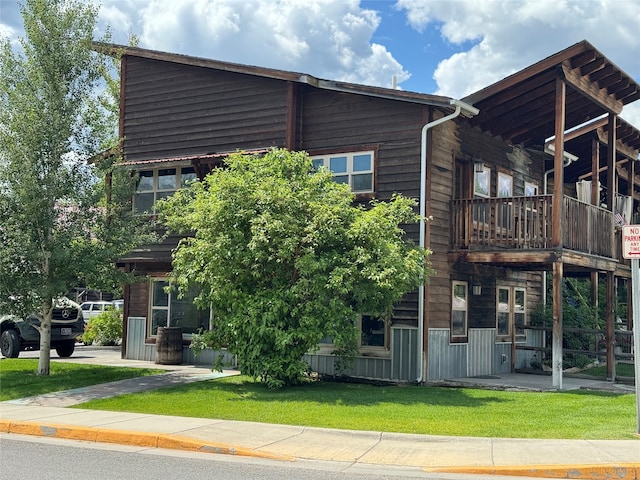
(459, 310)
(374, 336)
(511, 316)
(373, 331)
(167, 310)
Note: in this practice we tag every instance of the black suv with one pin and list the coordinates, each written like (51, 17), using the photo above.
(18, 334)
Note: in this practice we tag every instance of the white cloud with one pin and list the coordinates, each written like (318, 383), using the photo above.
(6, 31)
(10, 21)
(327, 38)
(332, 39)
(499, 37)
(631, 113)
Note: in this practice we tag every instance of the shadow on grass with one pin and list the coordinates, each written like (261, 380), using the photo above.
(239, 389)
(18, 377)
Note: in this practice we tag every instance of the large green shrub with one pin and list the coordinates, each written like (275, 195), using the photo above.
(105, 329)
(283, 258)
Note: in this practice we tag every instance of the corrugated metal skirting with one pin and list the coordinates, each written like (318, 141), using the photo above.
(445, 360)
(481, 352)
(482, 355)
(137, 349)
(400, 366)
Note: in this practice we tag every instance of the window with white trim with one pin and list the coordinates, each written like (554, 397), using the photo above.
(481, 189)
(530, 189)
(459, 309)
(511, 317)
(154, 185)
(167, 310)
(353, 168)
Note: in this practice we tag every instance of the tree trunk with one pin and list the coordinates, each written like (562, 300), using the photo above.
(44, 360)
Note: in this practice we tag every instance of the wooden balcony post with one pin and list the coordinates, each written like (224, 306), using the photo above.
(610, 318)
(556, 342)
(558, 165)
(595, 200)
(611, 170)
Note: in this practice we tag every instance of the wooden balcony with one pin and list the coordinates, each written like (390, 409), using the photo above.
(524, 224)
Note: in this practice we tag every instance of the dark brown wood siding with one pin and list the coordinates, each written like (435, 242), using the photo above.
(139, 299)
(454, 141)
(173, 110)
(445, 144)
(139, 290)
(337, 120)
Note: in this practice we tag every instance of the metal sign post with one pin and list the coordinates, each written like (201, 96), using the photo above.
(631, 250)
(635, 293)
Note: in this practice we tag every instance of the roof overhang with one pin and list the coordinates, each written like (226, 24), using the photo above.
(210, 158)
(521, 108)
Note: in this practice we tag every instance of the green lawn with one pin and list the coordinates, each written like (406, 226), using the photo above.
(18, 377)
(405, 409)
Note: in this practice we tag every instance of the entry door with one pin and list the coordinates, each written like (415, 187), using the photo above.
(510, 314)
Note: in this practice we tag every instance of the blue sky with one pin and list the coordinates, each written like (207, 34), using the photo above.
(446, 47)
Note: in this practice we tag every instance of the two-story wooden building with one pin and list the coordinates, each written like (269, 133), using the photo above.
(495, 172)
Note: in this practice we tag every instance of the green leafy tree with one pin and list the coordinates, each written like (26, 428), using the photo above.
(55, 227)
(283, 258)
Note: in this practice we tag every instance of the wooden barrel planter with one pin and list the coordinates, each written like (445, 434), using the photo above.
(169, 346)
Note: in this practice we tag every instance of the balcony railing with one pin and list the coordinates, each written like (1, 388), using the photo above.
(525, 223)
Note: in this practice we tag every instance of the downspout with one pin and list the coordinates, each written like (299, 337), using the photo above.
(471, 111)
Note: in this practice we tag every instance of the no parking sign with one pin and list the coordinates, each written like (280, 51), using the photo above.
(631, 249)
(631, 241)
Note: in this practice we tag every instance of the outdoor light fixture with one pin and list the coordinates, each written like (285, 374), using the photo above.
(477, 289)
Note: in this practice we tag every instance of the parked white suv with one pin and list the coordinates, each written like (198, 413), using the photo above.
(93, 309)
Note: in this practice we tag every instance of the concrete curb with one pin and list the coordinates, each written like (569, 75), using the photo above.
(126, 437)
(625, 471)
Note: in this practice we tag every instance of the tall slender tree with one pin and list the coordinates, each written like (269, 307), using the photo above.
(54, 230)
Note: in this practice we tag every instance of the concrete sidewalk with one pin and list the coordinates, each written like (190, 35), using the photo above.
(47, 416)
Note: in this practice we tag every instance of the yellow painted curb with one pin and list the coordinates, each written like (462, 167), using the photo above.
(127, 437)
(624, 471)
(4, 425)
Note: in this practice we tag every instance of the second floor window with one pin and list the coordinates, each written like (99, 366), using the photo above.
(353, 168)
(154, 185)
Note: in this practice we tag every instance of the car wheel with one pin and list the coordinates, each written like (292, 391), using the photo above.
(10, 344)
(65, 349)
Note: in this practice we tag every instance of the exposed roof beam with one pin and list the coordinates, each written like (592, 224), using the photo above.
(528, 72)
(583, 129)
(624, 174)
(621, 147)
(587, 88)
(594, 66)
